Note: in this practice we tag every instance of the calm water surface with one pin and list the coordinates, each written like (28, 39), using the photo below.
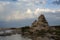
(13, 37)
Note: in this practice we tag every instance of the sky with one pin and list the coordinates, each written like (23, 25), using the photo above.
(19, 13)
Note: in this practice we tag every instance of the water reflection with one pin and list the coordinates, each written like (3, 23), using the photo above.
(13, 37)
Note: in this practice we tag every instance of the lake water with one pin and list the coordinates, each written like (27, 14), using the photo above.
(19, 37)
(13, 37)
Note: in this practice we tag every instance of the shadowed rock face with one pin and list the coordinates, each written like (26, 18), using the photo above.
(41, 23)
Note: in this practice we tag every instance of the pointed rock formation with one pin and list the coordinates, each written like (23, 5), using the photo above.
(42, 21)
(40, 24)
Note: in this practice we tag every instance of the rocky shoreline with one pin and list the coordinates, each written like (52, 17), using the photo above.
(39, 30)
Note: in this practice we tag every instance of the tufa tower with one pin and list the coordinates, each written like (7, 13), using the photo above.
(40, 24)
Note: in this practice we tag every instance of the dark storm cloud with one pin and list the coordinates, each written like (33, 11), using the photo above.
(57, 2)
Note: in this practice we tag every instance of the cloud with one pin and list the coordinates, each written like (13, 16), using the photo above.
(2, 5)
(1, 8)
(32, 2)
(21, 10)
(47, 10)
(14, 10)
(57, 2)
(8, 0)
(17, 15)
(53, 18)
(29, 14)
